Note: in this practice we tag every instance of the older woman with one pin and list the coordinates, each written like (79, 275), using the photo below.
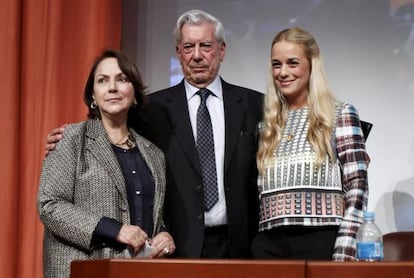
(102, 190)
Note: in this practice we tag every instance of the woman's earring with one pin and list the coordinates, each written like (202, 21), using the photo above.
(134, 104)
(93, 104)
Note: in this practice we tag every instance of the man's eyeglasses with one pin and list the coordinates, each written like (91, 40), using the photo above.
(189, 48)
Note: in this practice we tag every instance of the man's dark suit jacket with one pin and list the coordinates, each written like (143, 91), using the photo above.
(169, 127)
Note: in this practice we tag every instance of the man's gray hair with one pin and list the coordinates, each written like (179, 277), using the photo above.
(198, 17)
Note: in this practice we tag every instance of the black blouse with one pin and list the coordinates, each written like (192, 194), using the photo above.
(140, 193)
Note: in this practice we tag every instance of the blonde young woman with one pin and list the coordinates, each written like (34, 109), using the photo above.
(312, 160)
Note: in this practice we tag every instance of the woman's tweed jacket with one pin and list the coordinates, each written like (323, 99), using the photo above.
(82, 181)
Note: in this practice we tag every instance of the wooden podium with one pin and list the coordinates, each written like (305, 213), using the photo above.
(175, 268)
(360, 269)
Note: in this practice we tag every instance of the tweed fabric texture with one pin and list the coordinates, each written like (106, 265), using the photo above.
(293, 191)
(81, 181)
(206, 153)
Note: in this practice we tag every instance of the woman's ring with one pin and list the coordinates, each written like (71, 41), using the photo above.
(166, 251)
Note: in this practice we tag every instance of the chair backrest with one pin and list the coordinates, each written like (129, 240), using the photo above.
(366, 128)
(399, 246)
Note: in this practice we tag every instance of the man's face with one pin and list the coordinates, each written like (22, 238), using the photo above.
(200, 54)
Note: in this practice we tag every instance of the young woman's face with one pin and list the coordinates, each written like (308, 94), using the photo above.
(291, 72)
(113, 92)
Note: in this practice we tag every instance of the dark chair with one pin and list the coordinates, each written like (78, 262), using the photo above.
(399, 246)
(366, 128)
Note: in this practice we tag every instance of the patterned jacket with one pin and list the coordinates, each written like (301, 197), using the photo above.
(81, 182)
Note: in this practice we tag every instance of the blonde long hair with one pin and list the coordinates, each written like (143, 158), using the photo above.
(320, 102)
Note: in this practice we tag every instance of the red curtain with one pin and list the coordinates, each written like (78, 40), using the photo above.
(47, 48)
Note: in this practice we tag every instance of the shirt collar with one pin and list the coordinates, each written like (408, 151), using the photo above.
(214, 87)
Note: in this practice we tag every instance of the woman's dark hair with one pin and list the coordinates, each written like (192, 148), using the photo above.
(128, 68)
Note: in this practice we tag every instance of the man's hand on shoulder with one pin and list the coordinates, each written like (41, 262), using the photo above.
(53, 138)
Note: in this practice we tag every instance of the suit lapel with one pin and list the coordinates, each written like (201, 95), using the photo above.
(234, 116)
(97, 143)
(147, 154)
(180, 121)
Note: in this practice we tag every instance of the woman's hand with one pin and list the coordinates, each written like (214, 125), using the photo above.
(163, 245)
(133, 236)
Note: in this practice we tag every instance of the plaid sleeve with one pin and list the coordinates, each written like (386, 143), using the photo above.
(354, 160)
